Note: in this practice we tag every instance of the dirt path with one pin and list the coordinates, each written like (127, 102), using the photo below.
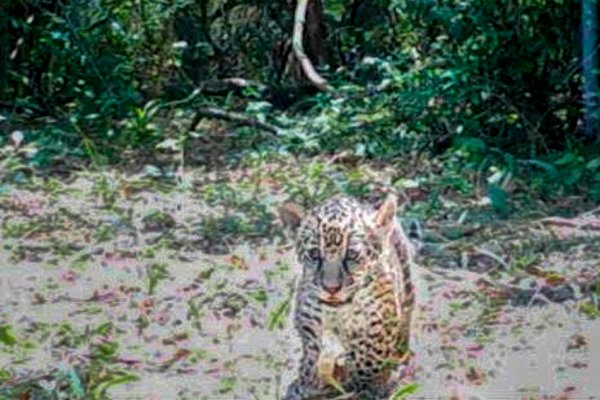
(469, 350)
(176, 294)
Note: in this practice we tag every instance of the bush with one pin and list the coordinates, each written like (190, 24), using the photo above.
(408, 75)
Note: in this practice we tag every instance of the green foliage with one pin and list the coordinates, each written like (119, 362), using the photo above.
(405, 391)
(121, 378)
(89, 381)
(89, 66)
(590, 309)
(155, 274)
(462, 79)
(277, 316)
(495, 84)
(7, 336)
(498, 198)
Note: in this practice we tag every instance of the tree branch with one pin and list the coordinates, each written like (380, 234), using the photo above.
(245, 83)
(217, 113)
(307, 66)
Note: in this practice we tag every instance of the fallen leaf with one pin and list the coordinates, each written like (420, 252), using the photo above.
(475, 376)
(238, 262)
(576, 342)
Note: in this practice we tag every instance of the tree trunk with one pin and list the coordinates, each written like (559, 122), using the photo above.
(308, 41)
(314, 36)
(590, 90)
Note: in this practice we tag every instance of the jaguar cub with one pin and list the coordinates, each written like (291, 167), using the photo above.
(354, 300)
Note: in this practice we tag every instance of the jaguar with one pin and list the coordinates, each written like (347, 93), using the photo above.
(354, 299)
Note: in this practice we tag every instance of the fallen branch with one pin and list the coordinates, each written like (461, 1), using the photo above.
(217, 113)
(575, 223)
(493, 256)
(307, 67)
(217, 88)
(183, 102)
(245, 83)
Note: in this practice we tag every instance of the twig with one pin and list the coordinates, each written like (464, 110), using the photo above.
(309, 70)
(217, 113)
(245, 83)
(176, 103)
(575, 223)
(277, 386)
(493, 256)
(345, 396)
(593, 211)
(538, 295)
(217, 88)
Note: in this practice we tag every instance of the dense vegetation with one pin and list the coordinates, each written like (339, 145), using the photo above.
(495, 87)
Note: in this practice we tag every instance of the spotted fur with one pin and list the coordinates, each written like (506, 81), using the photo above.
(355, 286)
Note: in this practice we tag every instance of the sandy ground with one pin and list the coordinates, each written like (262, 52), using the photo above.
(208, 329)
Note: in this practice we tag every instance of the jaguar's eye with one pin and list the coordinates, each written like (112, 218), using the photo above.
(314, 255)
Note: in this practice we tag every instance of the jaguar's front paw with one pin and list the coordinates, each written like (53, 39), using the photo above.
(297, 391)
(333, 370)
(326, 369)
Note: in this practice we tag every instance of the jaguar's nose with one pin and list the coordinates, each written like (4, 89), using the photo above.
(332, 289)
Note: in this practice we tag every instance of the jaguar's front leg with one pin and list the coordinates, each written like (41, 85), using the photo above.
(308, 324)
(306, 382)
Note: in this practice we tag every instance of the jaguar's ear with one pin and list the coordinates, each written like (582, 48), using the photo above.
(385, 214)
(291, 214)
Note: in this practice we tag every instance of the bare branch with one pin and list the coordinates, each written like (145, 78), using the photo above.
(307, 67)
(245, 83)
(217, 113)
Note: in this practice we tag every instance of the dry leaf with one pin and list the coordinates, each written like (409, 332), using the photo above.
(238, 262)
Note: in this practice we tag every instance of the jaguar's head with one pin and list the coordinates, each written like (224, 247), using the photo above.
(338, 242)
